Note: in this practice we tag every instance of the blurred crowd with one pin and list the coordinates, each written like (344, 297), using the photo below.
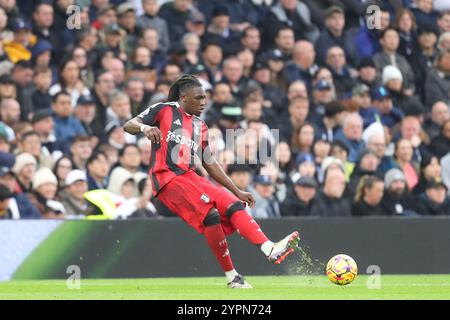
(358, 97)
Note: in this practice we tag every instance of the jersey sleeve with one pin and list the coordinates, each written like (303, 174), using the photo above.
(206, 150)
(152, 114)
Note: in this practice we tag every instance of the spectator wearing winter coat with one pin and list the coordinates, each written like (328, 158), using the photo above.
(19, 207)
(175, 14)
(266, 205)
(351, 135)
(24, 170)
(302, 66)
(367, 39)
(366, 166)
(151, 19)
(300, 198)
(437, 84)
(392, 79)
(390, 115)
(389, 56)
(330, 201)
(295, 14)
(397, 201)
(43, 196)
(76, 187)
(435, 200)
(440, 113)
(368, 197)
(441, 145)
(66, 125)
(333, 34)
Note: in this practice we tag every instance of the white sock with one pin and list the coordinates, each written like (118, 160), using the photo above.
(266, 247)
(231, 274)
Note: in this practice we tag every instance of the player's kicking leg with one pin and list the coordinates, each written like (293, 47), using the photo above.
(250, 230)
(218, 244)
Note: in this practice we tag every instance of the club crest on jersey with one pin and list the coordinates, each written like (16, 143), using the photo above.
(205, 198)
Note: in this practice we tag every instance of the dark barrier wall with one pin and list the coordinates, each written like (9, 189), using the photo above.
(168, 248)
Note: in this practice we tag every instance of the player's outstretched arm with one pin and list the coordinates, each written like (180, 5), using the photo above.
(136, 126)
(215, 170)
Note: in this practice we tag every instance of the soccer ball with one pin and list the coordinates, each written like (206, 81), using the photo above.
(342, 269)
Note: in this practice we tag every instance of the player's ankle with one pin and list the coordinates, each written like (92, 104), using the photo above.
(231, 274)
(266, 247)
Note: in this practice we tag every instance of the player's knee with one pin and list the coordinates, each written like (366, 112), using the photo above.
(212, 218)
(235, 207)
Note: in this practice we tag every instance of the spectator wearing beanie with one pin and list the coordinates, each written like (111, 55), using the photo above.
(73, 199)
(392, 79)
(397, 201)
(24, 169)
(43, 196)
(367, 73)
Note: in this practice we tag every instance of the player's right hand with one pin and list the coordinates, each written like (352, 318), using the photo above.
(153, 134)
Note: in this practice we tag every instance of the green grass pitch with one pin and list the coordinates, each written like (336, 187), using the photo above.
(265, 288)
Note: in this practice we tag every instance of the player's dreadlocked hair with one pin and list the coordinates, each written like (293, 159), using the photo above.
(185, 82)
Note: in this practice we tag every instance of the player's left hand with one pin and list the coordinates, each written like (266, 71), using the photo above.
(247, 197)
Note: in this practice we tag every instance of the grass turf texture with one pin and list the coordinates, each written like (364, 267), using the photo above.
(266, 287)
